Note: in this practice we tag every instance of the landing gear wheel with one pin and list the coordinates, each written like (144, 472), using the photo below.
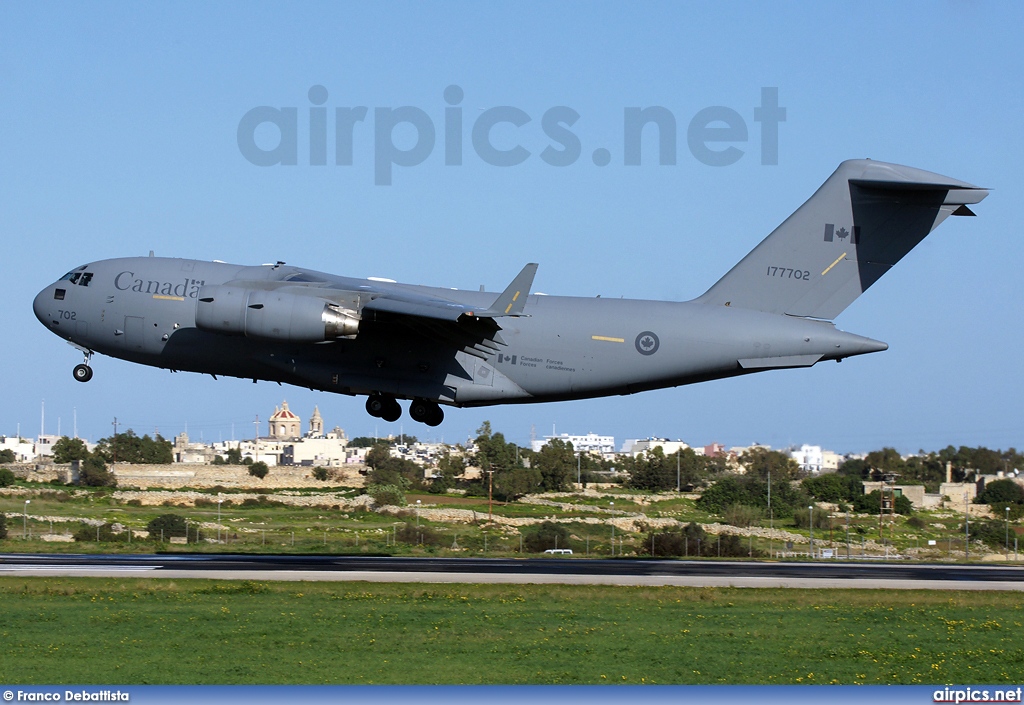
(392, 412)
(382, 407)
(82, 373)
(426, 411)
(375, 405)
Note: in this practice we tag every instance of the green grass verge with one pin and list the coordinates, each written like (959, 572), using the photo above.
(145, 631)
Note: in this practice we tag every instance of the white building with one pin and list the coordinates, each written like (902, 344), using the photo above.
(641, 446)
(24, 450)
(813, 460)
(590, 443)
(809, 458)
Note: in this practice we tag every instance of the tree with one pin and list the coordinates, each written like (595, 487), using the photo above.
(833, 487)
(94, 473)
(547, 535)
(871, 503)
(752, 492)
(513, 484)
(233, 456)
(557, 465)
(449, 467)
(128, 448)
(1001, 491)
(6, 477)
(259, 469)
(66, 450)
(167, 525)
(386, 469)
(3, 525)
(7, 455)
(759, 462)
(651, 472)
(493, 452)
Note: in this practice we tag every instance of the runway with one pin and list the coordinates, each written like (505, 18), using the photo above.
(826, 574)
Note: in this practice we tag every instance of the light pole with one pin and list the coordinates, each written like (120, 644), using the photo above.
(1007, 533)
(578, 468)
(810, 522)
(218, 519)
(679, 486)
(610, 504)
(847, 534)
(418, 512)
(24, 520)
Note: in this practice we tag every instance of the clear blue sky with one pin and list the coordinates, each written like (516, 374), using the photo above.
(118, 134)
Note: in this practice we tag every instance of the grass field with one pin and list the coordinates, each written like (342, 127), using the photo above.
(104, 631)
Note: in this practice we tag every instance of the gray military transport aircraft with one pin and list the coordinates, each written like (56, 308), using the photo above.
(392, 341)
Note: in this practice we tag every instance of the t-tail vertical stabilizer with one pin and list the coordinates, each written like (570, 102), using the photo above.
(861, 222)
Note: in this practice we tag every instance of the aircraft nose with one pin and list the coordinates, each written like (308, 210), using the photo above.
(40, 306)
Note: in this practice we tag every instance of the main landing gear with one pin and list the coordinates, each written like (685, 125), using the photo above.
(426, 411)
(383, 407)
(386, 407)
(82, 372)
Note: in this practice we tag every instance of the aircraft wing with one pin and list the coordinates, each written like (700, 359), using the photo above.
(509, 303)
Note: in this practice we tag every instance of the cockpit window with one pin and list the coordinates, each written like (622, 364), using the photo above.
(78, 278)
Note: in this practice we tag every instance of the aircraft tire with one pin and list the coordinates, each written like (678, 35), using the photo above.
(375, 405)
(392, 411)
(82, 373)
(420, 410)
(436, 416)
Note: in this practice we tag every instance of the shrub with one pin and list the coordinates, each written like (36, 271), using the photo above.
(999, 509)
(259, 469)
(169, 524)
(742, 515)
(801, 517)
(547, 535)
(386, 495)
(3, 525)
(917, 523)
(410, 533)
(6, 477)
(203, 502)
(94, 473)
(322, 474)
(694, 541)
(103, 533)
(992, 532)
(1001, 491)
(870, 503)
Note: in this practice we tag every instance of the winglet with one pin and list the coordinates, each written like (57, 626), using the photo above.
(513, 299)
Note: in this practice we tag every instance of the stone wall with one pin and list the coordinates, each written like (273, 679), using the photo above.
(235, 476)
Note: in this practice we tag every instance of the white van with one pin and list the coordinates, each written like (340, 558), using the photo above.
(559, 551)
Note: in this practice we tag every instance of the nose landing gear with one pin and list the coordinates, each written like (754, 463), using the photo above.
(82, 372)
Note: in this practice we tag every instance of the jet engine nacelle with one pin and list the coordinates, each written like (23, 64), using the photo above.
(272, 315)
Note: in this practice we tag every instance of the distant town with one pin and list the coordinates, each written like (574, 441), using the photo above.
(289, 441)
